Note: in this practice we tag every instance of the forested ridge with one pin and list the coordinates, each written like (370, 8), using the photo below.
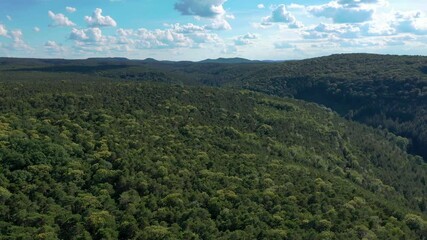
(130, 149)
(84, 157)
(382, 91)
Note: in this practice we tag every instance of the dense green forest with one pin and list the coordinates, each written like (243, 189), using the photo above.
(382, 91)
(117, 148)
(85, 157)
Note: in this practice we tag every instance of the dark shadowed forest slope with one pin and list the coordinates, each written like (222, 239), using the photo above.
(103, 159)
(379, 90)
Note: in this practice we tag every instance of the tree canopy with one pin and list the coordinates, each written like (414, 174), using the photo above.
(101, 159)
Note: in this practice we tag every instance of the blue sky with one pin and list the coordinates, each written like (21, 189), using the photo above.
(200, 29)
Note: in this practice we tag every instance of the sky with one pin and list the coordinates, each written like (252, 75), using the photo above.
(201, 29)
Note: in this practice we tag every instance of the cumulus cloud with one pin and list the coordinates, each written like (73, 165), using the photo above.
(245, 39)
(409, 22)
(358, 24)
(97, 20)
(161, 39)
(87, 35)
(36, 29)
(201, 8)
(3, 30)
(212, 9)
(332, 31)
(18, 42)
(395, 23)
(205, 37)
(54, 47)
(296, 6)
(92, 40)
(70, 9)
(347, 11)
(281, 15)
(186, 28)
(17, 39)
(357, 3)
(60, 20)
(125, 32)
(260, 6)
(172, 37)
(341, 13)
(219, 24)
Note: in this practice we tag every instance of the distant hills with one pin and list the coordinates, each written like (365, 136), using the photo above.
(228, 60)
(152, 60)
(123, 59)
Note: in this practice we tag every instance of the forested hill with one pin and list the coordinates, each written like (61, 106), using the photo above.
(100, 159)
(383, 91)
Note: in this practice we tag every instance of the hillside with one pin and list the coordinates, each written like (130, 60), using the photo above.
(382, 91)
(227, 60)
(107, 159)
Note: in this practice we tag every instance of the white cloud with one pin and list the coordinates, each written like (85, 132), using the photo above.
(341, 13)
(36, 29)
(3, 30)
(60, 20)
(295, 6)
(219, 24)
(360, 25)
(92, 40)
(260, 6)
(357, 3)
(97, 20)
(18, 42)
(332, 31)
(87, 35)
(245, 39)
(281, 15)
(230, 16)
(212, 9)
(347, 11)
(78, 35)
(175, 36)
(9, 18)
(186, 28)
(379, 26)
(54, 47)
(71, 9)
(204, 37)
(201, 8)
(147, 39)
(161, 39)
(395, 23)
(410, 22)
(17, 35)
(125, 32)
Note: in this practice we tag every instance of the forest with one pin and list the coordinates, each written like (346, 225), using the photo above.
(326, 148)
(382, 91)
